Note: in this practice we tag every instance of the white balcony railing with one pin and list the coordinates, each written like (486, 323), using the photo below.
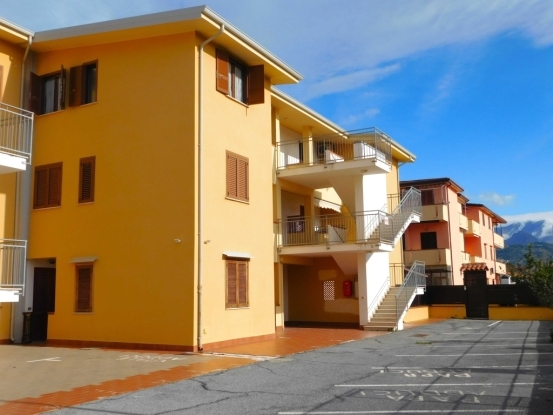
(360, 145)
(13, 255)
(16, 131)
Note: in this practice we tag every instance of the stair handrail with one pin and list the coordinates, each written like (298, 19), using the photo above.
(409, 203)
(415, 278)
(379, 295)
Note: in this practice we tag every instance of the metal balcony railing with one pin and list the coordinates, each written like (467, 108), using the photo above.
(16, 131)
(13, 254)
(415, 278)
(357, 145)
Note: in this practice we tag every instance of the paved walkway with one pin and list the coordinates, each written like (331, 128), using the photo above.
(35, 379)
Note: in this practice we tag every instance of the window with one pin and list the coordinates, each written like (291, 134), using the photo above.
(83, 292)
(485, 251)
(47, 189)
(87, 172)
(427, 197)
(237, 284)
(237, 177)
(83, 84)
(429, 240)
(329, 292)
(47, 92)
(245, 84)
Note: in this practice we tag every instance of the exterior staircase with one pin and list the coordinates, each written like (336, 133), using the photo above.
(393, 307)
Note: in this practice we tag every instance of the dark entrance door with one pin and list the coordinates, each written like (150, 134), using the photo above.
(44, 300)
(477, 294)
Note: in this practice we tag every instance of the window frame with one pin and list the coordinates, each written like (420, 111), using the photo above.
(83, 162)
(427, 195)
(424, 240)
(233, 175)
(233, 265)
(79, 77)
(90, 308)
(48, 186)
(253, 80)
(38, 96)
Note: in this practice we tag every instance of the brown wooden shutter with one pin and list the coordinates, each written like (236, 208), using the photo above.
(256, 85)
(1, 82)
(87, 172)
(63, 79)
(84, 289)
(242, 180)
(232, 179)
(75, 86)
(35, 94)
(243, 284)
(222, 81)
(232, 292)
(54, 185)
(41, 188)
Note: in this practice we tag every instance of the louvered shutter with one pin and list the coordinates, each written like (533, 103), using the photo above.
(35, 94)
(75, 86)
(41, 188)
(86, 179)
(222, 81)
(63, 79)
(242, 284)
(54, 186)
(242, 180)
(256, 85)
(84, 289)
(231, 285)
(232, 179)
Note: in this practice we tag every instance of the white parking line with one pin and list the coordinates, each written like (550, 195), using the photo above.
(526, 344)
(493, 324)
(469, 354)
(458, 368)
(419, 411)
(50, 359)
(393, 385)
(497, 332)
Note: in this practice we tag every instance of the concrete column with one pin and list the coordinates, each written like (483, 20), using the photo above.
(373, 273)
(307, 134)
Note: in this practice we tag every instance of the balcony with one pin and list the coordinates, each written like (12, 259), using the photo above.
(435, 213)
(16, 132)
(312, 162)
(465, 258)
(13, 254)
(463, 222)
(473, 228)
(429, 256)
(500, 268)
(475, 259)
(498, 241)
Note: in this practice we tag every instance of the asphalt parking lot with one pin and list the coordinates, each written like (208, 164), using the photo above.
(451, 367)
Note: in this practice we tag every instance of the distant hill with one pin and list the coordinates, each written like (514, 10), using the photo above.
(515, 253)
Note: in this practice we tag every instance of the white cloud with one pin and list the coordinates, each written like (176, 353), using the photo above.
(352, 119)
(496, 199)
(530, 217)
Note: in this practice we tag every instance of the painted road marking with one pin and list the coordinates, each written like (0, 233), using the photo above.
(453, 411)
(244, 356)
(460, 368)
(394, 385)
(149, 358)
(526, 344)
(493, 324)
(50, 359)
(469, 354)
(499, 332)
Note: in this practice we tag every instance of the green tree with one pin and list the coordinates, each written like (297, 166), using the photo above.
(538, 274)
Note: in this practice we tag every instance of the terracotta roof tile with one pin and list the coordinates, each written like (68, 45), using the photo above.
(477, 266)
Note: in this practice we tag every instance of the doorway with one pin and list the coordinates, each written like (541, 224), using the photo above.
(477, 294)
(44, 302)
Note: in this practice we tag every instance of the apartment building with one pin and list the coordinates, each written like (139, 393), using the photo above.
(176, 199)
(453, 235)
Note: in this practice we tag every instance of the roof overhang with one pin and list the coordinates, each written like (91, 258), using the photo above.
(495, 217)
(13, 33)
(427, 183)
(199, 19)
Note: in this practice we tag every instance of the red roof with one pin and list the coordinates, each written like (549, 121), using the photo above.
(477, 266)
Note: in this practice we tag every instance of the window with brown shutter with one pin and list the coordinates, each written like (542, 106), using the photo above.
(237, 177)
(47, 188)
(47, 92)
(243, 83)
(427, 197)
(237, 284)
(83, 292)
(83, 84)
(87, 171)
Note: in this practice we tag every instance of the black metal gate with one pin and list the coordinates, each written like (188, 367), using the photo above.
(477, 294)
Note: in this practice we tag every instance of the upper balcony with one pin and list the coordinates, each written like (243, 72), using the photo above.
(435, 213)
(498, 241)
(473, 228)
(429, 256)
(463, 222)
(312, 162)
(16, 133)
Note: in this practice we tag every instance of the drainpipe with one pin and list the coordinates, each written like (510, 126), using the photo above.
(449, 231)
(18, 182)
(200, 136)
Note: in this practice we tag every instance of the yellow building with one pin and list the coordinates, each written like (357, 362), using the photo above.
(162, 186)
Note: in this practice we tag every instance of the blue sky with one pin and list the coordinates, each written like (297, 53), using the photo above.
(465, 85)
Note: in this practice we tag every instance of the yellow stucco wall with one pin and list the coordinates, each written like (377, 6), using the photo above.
(448, 311)
(10, 60)
(494, 313)
(416, 314)
(305, 293)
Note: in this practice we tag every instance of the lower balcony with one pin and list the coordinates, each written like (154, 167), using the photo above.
(475, 259)
(498, 241)
(430, 257)
(473, 228)
(16, 132)
(433, 213)
(500, 268)
(13, 254)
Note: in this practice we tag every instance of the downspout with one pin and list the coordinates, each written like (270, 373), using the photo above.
(17, 215)
(200, 133)
(449, 232)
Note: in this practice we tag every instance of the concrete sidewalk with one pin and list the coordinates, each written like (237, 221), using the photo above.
(36, 379)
